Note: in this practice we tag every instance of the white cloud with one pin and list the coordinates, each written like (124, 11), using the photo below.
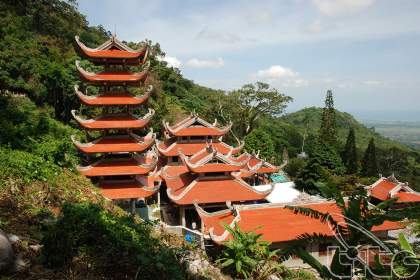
(172, 61)
(276, 72)
(280, 75)
(340, 7)
(206, 63)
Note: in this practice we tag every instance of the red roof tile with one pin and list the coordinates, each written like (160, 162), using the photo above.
(117, 143)
(112, 98)
(275, 223)
(112, 54)
(185, 189)
(169, 148)
(407, 197)
(382, 189)
(115, 121)
(115, 78)
(210, 159)
(195, 126)
(265, 166)
(118, 166)
(126, 189)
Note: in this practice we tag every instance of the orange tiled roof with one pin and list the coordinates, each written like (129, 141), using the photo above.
(126, 189)
(381, 189)
(118, 78)
(170, 148)
(387, 188)
(265, 167)
(274, 222)
(195, 126)
(407, 197)
(184, 188)
(117, 143)
(204, 161)
(113, 50)
(119, 166)
(115, 121)
(112, 98)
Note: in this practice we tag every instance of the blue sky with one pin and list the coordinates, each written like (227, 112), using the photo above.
(366, 51)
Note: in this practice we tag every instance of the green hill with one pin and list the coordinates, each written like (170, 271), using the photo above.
(311, 118)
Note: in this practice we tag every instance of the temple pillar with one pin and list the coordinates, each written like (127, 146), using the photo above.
(133, 206)
(182, 216)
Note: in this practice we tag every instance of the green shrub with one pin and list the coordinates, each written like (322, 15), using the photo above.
(116, 245)
(259, 140)
(26, 166)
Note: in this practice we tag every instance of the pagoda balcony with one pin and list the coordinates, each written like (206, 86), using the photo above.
(135, 165)
(113, 52)
(117, 143)
(139, 187)
(113, 78)
(115, 121)
(113, 98)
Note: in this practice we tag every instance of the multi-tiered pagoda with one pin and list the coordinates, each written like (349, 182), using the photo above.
(201, 168)
(121, 160)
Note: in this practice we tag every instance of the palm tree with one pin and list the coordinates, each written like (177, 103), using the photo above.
(245, 255)
(358, 214)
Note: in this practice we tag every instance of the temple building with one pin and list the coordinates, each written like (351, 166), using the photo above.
(280, 226)
(199, 167)
(389, 187)
(121, 159)
(198, 182)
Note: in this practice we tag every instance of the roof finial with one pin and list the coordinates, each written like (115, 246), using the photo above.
(114, 35)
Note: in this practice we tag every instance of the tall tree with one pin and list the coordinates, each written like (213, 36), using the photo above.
(328, 130)
(260, 141)
(369, 162)
(246, 105)
(349, 155)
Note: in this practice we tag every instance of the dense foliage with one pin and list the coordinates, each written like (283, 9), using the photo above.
(90, 230)
(369, 161)
(349, 154)
(328, 129)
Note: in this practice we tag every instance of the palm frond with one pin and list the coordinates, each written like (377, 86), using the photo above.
(386, 204)
(322, 217)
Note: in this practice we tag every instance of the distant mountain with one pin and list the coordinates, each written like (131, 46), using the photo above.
(311, 118)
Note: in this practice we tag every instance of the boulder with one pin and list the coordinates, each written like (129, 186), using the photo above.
(7, 256)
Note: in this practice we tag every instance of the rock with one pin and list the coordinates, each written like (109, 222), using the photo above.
(273, 277)
(7, 256)
(13, 238)
(36, 247)
(195, 267)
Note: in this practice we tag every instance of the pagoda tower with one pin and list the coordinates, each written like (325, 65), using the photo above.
(191, 135)
(202, 169)
(122, 162)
